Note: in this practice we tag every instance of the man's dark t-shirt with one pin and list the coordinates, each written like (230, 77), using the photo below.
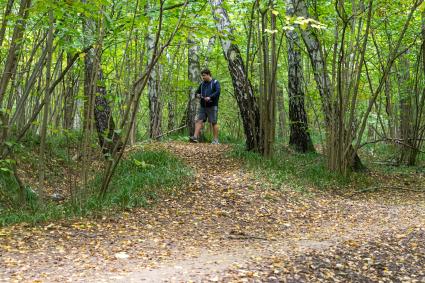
(209, 89)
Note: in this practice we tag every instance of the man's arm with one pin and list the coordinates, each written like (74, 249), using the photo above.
(198, 92)
(217, 90)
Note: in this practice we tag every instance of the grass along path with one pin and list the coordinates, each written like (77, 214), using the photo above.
(226, 226)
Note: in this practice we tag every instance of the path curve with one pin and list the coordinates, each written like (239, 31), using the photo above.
(226, 226)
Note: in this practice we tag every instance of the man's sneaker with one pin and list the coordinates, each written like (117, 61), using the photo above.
(193, 139)
(215, 142)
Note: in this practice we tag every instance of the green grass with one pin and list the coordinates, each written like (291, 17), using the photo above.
(305, 171)
(140, 179)
(298, 171)
(143, 177)
(383, 157)
(56, 144)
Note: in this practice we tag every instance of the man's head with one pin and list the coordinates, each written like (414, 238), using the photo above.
(206, 75)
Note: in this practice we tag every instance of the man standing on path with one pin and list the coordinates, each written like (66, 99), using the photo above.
(209, 92)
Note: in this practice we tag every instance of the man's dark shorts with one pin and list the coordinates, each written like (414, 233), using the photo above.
(208, 112)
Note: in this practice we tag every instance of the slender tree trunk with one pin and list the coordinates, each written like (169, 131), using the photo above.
(317, 60)
(282, 114)
(299, 135)
(171, 116)
(69, 98)
(43, 132)
(12, 57)
(389, 109)
(268, 67)
(154, 87)
(30, 82)
(242, 86)
(6, 14)
(406, 110)
(89, 80)
(107, 133)
(92, 63)
(194, 73)
(273, 81)
(419, 126)
(210, 49)
(172, 74)
(323, 83)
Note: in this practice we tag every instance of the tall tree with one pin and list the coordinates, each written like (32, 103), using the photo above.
(244, 93)
(154, 85)
(12, 57)
(43, 130)
(194, 71)
(315, 51)
(69, 97)
(6, 14)
(299, 135)
(91, 66)
(406, 115)
(267, 56)
(107, 133)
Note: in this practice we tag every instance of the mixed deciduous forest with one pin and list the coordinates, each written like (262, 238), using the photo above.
(320, 170)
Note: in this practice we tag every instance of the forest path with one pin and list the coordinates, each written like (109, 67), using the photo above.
(225, 226)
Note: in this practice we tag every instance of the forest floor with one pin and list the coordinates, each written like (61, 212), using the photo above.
(226, 226)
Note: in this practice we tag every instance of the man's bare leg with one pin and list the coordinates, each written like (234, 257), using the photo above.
(215, 131)
(198, 127)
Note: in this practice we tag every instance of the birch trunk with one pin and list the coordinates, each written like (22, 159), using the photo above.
(154, 87)
(242, 86)
(105, 125)
(194, 74)
(299, 135)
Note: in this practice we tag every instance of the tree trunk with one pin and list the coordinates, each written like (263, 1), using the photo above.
(154, 88)
(89, 82)
(419, 125)
(282, 114)
(268, 66)
(171, 116)
(405, 129)
(43, 131)
(406, 111)
(323, 82)
(389, 109)
(299, 135)
(242, 86)
(210, 49)
(6, 14)
(105, 126)
(194, 73)
(12, 57)
(69, 98)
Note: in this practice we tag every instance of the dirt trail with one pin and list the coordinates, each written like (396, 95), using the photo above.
(226, 226)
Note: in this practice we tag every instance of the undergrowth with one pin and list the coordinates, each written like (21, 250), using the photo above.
(301, 172)
(304, 172)
(140, 180)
